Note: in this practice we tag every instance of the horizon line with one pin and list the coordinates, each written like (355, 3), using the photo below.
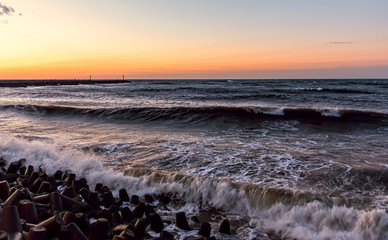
(127, 79)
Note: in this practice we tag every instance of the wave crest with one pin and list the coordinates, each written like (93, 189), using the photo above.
(208, 115)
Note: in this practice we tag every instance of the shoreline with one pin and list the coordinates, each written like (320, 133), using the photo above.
(25, 179)
(52, 82)
(36, 205)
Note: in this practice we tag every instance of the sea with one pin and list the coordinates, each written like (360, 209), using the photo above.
(298, 158)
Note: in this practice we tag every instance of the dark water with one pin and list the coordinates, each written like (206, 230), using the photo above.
(309, 155)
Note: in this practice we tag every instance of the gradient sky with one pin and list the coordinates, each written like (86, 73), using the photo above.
(193, 39)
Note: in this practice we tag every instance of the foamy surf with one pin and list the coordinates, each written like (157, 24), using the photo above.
(284, 212)
(316, 220)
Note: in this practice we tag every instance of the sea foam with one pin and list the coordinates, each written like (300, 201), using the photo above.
(290, 214)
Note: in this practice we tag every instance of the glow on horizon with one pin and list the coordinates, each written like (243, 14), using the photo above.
(198, 39)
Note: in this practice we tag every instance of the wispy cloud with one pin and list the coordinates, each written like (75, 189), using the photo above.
(6, 10)
(339, 42)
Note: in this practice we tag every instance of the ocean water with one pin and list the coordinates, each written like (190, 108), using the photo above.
(305, 159)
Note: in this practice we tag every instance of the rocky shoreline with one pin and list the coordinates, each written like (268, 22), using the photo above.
(35, 205)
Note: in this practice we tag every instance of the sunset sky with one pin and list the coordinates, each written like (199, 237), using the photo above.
(193, 39)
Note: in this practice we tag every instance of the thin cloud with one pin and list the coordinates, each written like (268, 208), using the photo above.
(6, 10)
(339, 42)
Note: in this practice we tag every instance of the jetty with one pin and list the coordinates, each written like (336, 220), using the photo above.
(53, 82)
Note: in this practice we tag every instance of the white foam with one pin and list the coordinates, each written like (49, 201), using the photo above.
(318, 221)
(266, 110)
(275, 112)
(51, 158)
(291, 219)
(331, 112)
(309, 89)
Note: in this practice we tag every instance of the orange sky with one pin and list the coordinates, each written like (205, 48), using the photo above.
(174, 39)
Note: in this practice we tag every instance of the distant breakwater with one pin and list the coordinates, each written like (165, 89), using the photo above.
(51, 82)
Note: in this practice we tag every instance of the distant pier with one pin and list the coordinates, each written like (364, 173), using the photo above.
(51, 82)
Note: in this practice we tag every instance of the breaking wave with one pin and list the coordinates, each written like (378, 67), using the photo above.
(205, 115)
(288, 213)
